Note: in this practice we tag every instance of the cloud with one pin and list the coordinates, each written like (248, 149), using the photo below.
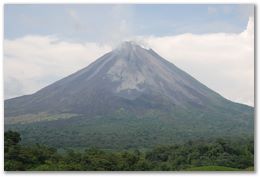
(112, 26)
(76, 19)
(33, 62)
(222, 61)
(119, 26)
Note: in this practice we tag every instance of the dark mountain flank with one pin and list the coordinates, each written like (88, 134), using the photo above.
(129, 97)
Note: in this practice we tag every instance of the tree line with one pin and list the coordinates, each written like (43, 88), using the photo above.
(220, 153)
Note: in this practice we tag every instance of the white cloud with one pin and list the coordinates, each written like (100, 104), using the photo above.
(222, 61)
(76, 19)
(33, 62)
(119, 26)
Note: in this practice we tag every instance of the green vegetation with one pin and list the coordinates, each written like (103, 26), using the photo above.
(123, 130)
(212, 168)
(220, 154)
(31, 118)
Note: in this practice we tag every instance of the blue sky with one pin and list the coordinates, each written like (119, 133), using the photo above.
(96, 22)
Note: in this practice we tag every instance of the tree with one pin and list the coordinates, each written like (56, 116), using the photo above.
(11, 138)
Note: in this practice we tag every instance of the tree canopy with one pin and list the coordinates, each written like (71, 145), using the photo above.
(218, 154)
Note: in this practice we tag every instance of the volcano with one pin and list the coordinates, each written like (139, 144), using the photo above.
(130, 96)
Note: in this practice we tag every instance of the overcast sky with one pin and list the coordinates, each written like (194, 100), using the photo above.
(213, 43)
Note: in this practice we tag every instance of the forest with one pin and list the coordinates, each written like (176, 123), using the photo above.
(200, 155)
